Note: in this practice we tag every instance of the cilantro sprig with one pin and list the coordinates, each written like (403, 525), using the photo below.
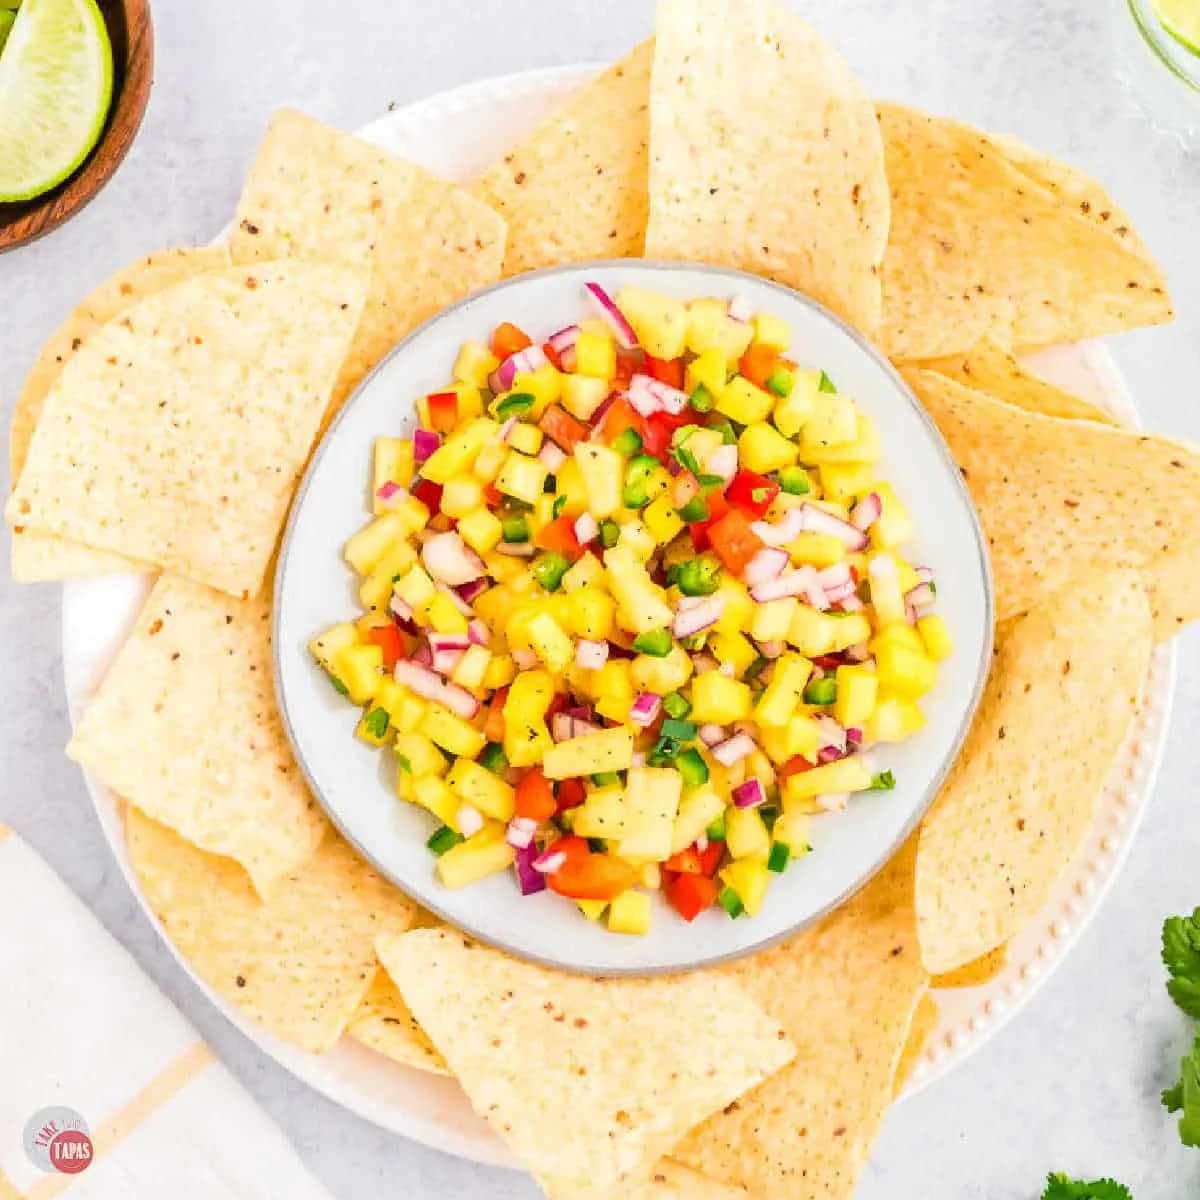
(1181, 957)
(1184, 1097)
(1059, 1187)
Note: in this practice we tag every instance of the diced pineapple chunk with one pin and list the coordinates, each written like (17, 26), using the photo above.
(475, 362)
(746, 835)
(642, 603)
(481, 530)
(373, 541)
(845, 481)
(613, 688)
(550, 643)
(522, 477)
(602, 469)
(894, 526)
(844, 775)
(358, 667)
(419, 756)
(638, 538)
(589, 612)
(903, 672)
(857, 689)
(602, 815)
(442, 615)
(457, 453)
(593, 910)
(583, 394)
(660, 322)
(526, 438)
(393, 464)
(479, 856)
(749, 878)
(794, 410)
(630, 913)
(886, 597)
(816, 549)
(491, 458)
(652, 796)
(741, 401)
(710, 327)
(595, 355)
(792, 830)
(762, 448)
(720, 700)
(698, 809)
(472, 667)
(501, 671)
(450, 731)
(480, 788)
(460, 496)
(770, 331)
(734, 648)
(936, 636)
(738, 607)
(785, 693)
(431, 792)
(893, 720)
(415, 587)
(709, 369)
(335, 638)
(832, 422)
(661, 520)
(591, 754)
(772, 620)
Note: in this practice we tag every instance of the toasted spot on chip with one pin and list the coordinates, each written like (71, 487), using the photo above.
(299, 963)
(652, 1058)
(385, 1023)
(206, 390)
(925, 1021)
(765, 153)
(185, 726)
(1013, 810)
(316, 192)
(847, 999)
(575, 188)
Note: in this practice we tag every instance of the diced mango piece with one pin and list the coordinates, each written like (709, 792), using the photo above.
(591, 754)
(661, 520)
(720, 700)
(431, 792)
(415, 587)
(589, 613)
(739, 605)
(481, 530)
(771, 331)
(479, 856)
(442, 615)
(613, 688)
(593, 910)
(709, 369)
(526, 438)
(733, 648)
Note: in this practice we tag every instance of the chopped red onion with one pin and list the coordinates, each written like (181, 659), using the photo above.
(551, 456)
(867, 511)
(520, 832)
(828, 754)
(702, 843)
(386, 491)
(741, 309)
(772, 649)
(515, 549)
(734, 749)
(910, 612)
(842, 592)
(703, 662)
(525, 362)
(478, 633)
(645, 709)
(830, 733)
(470, 820)
(834, 802)
(787, 529)
(794, 583)
(507, 428)
(854, 736)
(613, 316)
(550, 860)
(766, 564)
(587, 529)
(710, 734)
(605, 405)
(835, 575)
(401, 608)
(817, 520)
(425, 683)
(649, 396)
(723, 462)
(696, 618)
(450, 560)
(447, 641)
(749, 794)
(564, 727)
(526, 660)
(425, 442)
(851, 603)
(468, 593)
(529, 878)
(921, 596)
(445, 662)
(925, 574)
(581, 712)
(589, 654)
(859, 652)
(562, 338)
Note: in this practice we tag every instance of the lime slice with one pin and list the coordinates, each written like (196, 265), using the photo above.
(7, 17)
(55, 89)
(1181, 19)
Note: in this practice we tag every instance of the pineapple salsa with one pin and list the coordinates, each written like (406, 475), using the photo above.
(635, 607)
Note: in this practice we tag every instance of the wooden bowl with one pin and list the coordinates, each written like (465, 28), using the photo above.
(132, 37)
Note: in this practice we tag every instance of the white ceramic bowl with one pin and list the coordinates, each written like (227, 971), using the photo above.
(315, 589)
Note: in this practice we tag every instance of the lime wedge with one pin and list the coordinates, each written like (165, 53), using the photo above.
(55, 89)
(7, 17)
(1181, 19)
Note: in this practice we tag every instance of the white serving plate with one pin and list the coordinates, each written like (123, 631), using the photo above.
(314, 590)
(458, 133)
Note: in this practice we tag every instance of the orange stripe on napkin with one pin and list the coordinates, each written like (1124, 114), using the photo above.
(4, 832)
(167, 1083)
(8, 1189)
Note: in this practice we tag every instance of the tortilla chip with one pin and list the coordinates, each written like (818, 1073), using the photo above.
(980, 971)
(1064, 687)
(988, 367)
(585, 1079)
(765, 154)
(845, 991)
(299, 963)
(668, 1181)
(185, 726)
(176, 433)
(970, 231)
(315, 192)
(385, 1023)
(37, 558)
(1058, 497)
(1072, 187)
(925, 1021)
(576, 187)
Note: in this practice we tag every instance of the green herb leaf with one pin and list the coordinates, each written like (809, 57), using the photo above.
(826, 384)
(405, 762)
(376, 722)
(339, 686)
(1181, 957)
(1184, 1097)
(883, 782)
(559, 504)
(1059, 1187)
(759, 494)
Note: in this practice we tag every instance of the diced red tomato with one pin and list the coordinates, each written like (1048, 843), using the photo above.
(733, 541)
(627, 365)
(684, 488)
(492, 495)
(710, 858)
(588, 876)
(560, 427)
(690, 895)
(667, 370)
(620, 415)
(758, 363)
(570, 794)
(429, 494)
(718, 506)
(535, 796)
(493, 727)
(658, 431)
(829, 662)
(559, 534)
(389, 639)
(794, 766)
(752, 492)
(508, 339)
(553, 355)
(443, 411)
(560, 702)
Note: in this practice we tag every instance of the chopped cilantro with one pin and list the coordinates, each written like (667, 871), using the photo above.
(1059, 1187)
(559, 504)
(883, 782)
(405, 762)
(1184, 1097)
(1181, 957)
(759, 494)
(376, 722)
(826, 384)
(339, 686)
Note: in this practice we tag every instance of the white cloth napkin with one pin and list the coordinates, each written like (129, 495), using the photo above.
(82, 1026)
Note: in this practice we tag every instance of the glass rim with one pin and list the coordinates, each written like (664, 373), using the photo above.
(1162, 45)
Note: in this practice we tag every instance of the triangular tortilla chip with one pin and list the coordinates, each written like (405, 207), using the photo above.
(925, 1021)
(970, 232)
(576, 187)
(845, 991)
(669, 1180)
(299, 963)
(1064, 688)
(385, 1023)
(988, 367)
(1058, 497)
(40, 558)
(185, 725)
(585, 1079)
(176, 433)
(315, 192)
(978, 971)
(765, 154)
